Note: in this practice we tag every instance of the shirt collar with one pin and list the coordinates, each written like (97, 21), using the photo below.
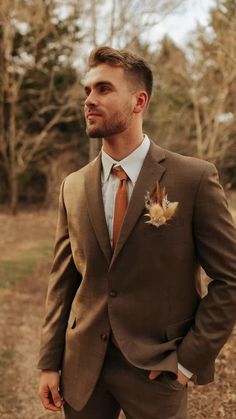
(131, 164)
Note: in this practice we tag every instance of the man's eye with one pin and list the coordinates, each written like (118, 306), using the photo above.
(104, 89)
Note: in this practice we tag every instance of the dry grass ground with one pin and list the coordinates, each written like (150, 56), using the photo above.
(25, 249)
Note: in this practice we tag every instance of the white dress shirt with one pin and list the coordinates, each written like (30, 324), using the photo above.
(132, 165)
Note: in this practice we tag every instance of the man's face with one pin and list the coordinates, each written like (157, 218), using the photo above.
(110, 102)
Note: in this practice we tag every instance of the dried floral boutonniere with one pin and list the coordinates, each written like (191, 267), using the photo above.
(160, 210)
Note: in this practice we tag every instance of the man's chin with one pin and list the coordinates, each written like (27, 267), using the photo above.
(94, 134)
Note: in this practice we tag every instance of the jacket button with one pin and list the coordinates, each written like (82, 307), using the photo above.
(104, 337)
(113, 293)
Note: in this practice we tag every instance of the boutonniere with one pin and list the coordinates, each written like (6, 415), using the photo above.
(160, 210)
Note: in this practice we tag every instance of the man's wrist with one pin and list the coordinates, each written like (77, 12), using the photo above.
(50, 371)
(184, 370)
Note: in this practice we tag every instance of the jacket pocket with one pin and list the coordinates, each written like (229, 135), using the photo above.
(180, 329)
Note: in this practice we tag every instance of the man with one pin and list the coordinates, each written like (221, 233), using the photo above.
(125, 326)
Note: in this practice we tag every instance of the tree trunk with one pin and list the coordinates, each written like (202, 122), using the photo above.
(2, 89)
(52, 191)
(95, 145)
(12, 173)
(13, 180)
(1, 86)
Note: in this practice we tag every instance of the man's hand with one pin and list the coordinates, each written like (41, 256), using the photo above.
(154, 374)
(181, 378)
(49, 390)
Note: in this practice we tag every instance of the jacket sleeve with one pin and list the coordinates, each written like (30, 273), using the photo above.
(215, 241)
(63, 284)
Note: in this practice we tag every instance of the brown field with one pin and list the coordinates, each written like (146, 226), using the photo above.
(25, 253)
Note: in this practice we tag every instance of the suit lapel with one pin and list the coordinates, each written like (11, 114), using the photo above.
(96, 207)
(150, 173)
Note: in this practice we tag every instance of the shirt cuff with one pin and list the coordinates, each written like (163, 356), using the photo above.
(184, 370)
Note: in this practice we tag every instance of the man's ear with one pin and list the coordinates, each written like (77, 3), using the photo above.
(141, 101)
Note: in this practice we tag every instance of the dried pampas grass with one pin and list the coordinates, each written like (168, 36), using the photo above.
(160, 210)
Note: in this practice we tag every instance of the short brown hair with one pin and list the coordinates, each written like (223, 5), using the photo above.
(133, 64)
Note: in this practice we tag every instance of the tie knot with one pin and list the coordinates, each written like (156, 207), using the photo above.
(119, 172)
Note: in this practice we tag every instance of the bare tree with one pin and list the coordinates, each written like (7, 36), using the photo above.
(18, 144)
(214, 88)
(2, 73)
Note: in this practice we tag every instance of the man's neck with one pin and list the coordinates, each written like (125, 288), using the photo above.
(120, 146)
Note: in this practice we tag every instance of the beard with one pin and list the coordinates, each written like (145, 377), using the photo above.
(116, 124)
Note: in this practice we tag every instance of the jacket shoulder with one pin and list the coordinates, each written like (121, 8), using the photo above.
(183, 163)
(188, 171)
(78, 175)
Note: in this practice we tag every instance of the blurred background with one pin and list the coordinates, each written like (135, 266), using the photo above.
(44, 44)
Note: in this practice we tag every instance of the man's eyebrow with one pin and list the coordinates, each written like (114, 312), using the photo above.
(99, 83)
(104, 82)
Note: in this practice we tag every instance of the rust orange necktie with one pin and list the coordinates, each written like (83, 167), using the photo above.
(121, 202)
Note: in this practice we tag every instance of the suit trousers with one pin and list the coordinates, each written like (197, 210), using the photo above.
(122, 385)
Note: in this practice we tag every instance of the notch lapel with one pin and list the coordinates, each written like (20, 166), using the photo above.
(151, 172)
(96, 208)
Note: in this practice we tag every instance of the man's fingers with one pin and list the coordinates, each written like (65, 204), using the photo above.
(154, 374)
(47, 400)
(182, 378)
(50, 406)
(49, 390)
(56, 396)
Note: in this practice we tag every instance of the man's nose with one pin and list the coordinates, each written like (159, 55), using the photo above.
(90, 100)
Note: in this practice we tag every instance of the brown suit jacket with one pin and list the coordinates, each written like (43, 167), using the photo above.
(146, 291)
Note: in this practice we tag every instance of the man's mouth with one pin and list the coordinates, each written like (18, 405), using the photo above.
(92, 115)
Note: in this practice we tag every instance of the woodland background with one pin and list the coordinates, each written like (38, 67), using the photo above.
(43, 51)
(44, 46)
